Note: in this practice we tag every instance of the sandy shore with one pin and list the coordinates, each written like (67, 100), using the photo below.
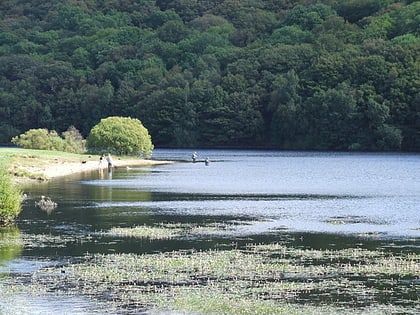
(46, 170)
(64, 169)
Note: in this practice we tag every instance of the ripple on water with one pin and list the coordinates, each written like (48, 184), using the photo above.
(21, 304)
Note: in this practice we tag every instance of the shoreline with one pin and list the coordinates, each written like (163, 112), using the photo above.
(70, 168)
(36, 169)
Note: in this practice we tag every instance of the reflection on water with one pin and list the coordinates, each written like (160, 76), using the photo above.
(41, 305)
(11, 244)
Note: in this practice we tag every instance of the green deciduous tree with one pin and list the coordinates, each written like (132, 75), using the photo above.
(308, 17)
(284, 106)
(121, 135)
(354, 10)
(291, 35)
(331, 118)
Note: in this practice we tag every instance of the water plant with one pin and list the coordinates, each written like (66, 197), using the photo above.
(46, 204)
(148, 232)
(167, 231)
(257, 278)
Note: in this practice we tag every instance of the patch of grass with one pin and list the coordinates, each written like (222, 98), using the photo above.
(28, 163)
(29, 154)
(169, 230)
(147, 232)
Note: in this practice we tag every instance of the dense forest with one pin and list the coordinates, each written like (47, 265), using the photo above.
(301, 74)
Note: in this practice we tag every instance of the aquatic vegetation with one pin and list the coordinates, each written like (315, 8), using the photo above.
(263, 279)
(46, 204)
(149, 232)
(51, 241)
(164, 231)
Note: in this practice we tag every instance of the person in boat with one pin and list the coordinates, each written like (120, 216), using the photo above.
(207, 161)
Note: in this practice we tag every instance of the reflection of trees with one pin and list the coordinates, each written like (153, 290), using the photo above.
(73, 196)
(11, 243)
(102, 191)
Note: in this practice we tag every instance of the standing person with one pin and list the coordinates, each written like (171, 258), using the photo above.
(109, 160)
(194, 157)
(101, 162)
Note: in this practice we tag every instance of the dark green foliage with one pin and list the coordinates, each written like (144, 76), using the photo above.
(355, 10)
(303, 74)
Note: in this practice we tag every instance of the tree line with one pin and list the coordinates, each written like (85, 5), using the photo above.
(305, 74)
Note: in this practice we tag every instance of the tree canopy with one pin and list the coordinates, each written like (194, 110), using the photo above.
(305, 74)
(121, 135)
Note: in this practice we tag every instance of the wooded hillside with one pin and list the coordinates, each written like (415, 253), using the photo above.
(303, 74)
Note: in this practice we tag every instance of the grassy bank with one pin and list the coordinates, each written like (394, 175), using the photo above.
(27, 164)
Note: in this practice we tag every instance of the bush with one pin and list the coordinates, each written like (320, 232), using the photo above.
(40, 139)
(73, 141)
(120, 135)
(44, 139)
(10, 198)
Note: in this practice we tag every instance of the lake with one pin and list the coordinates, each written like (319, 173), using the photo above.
(317, 199)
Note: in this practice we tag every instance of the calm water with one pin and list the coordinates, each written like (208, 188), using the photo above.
(317, 199)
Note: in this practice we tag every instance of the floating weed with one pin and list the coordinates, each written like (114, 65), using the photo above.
(149, 232)
(46, 204)
(50, 240)
(263, 279)
(211, 301)
(169, 230)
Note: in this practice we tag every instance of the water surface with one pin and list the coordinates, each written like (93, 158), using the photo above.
(312, 199)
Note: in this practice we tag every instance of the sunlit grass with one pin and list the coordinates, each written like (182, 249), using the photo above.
(18, 155)
(168, 230)
(147, 232)
(27, 163)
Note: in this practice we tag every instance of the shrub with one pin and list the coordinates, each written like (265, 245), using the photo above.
(73, 141)
(41, 139)
(10, 198)
(120, 135)
(44, 139)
